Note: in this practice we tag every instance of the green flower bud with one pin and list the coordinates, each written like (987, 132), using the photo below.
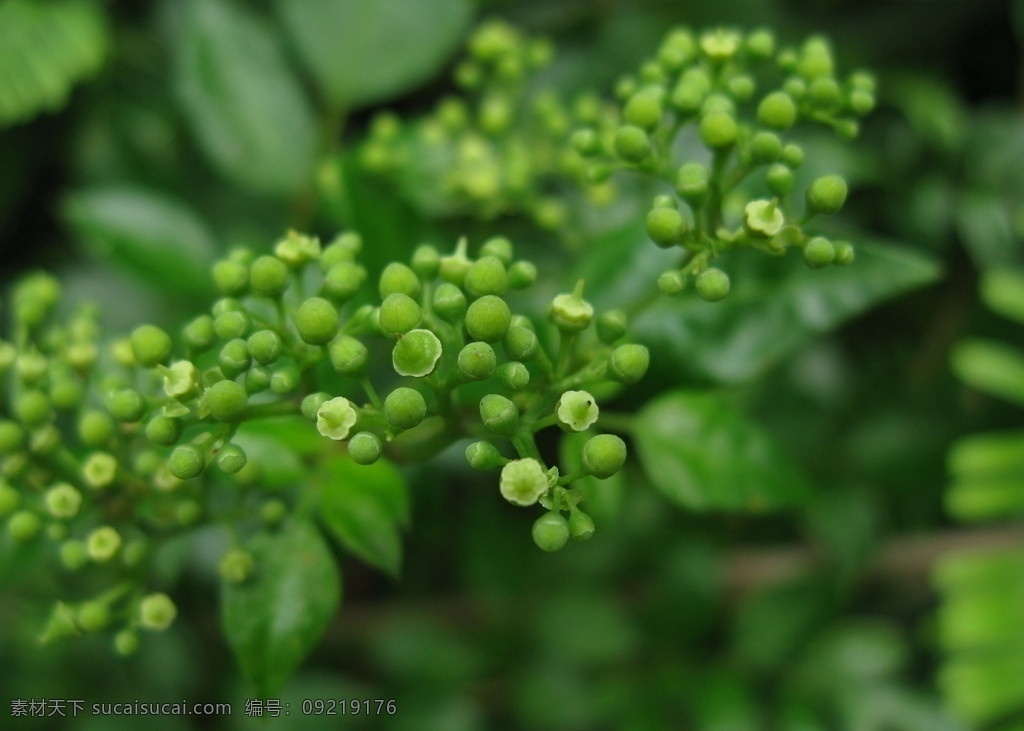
(234, 357)
(487, 275)
(676, 50)
(577, 410)
(570, 312)
(316, 320)
(11, 437)
(296, 249)
(628, 363)
(126, 642)
(522, 274)
(815, 58)
(720, 44)
(343, 281)
(644, 109)
(844, 253)
(819, 252)
(285, 379)
(454, 266)
(499, 247)
(483, 455)
(257, 379)
(236, 566)
(82, 356)
(157, 612)
(792, 155)
(233, 324)
(861, 102)
(65, 393)
(99, 470)
(426, 261)
(399, 313)
(688, 95)
(550, 532)
(586, 142)
(477, 361)
(718, 130)
(348, 356)
(163, 430)
(779, 179)
(692, 182)
(273, 512)
(581, 525)
(9, 499)
(513, 375)
(264, 346)
(33, 408)
(199, 334)
(23, 526)
(365, 448)
(742, 87)
(499, 414)
(345, 247)
(488, 318)
(226, 401)
(718, 103)
(186, 461)
(32, 367)
(449, 302)
(311, 404)
(665, 226)
(520, 343)
(268, 277)
(604, 455)
(671, 282)
(777, 110)
(416, 353)
(73, 554)
(823, 93)
(631, 143)
(405, 407)
(826, 194)
(103, 543)
(611, 326)
(763, 218)
(765, 147)
(523, 481)
(150, 345)
(126, 406)
(712, 285)
(92, 616)
(231, 458)
(43, 440)
(397, 278)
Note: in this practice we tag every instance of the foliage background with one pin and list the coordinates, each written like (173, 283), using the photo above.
(201, 126)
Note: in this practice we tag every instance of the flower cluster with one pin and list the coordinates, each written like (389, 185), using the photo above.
(741, 97)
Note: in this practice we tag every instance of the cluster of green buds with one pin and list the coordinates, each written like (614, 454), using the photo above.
(741, 97)
(494, 149)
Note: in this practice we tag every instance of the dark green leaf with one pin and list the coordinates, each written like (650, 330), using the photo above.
(156, 237)
(274, 619)
(362, 52)
(47, 48)
(240, 98)
(365, 507)
(702, 454)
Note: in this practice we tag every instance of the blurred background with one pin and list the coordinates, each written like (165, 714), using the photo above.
(140, 141)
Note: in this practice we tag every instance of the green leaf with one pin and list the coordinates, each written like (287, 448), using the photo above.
(703, 455)
(1003, 291)
(273, 620)
(155, 237)
(985, 223)
(45, 49)
(362, 52)
(241, 100)
(991, 367)
(365, 507)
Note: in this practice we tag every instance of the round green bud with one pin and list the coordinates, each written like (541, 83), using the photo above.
(628, 363)
(586, 142)
(126, 406)
(718, 103)
(416, 353)
(449, 302)
(231, 458)
(819, 252)
(163, 430)
(92, 616)
(815, 58)
(826, 194)
(499, 247)
(760, 43)
(487, 275)
(234, 357)
(230, 277)
(232, 324)
(483, 455)
(488, 318)
(33, 408)
(742, 87)
(268, 276)
(343, 281)
(157, 612)
(285, 379)
(82, 356)
(236, 566)
(126, 642)
(795, 87)
(665, 226)
(581, 525)
(522, 274)
(225, 304)
(150, 345)
(186, 461)
(12, 436)
(687, 96)
(520, 342)
(604, 455)
(777, 111)
(32, 367)
(577, 410)
(763, 218)
(99, 470)
(570, 312)
(692, 182)
(345, 247)
(399, 313)
(226, 401)
(765, 147)
(712, 285)
(477, 361)
(257, 379)
(9, 499)
(671, 282)
(273, 512)
(264, 346)
(550, 532)
(718, 130)
(523, 481)
(43, 440)
(24, 525)
(317, 321)
(103, 543)
(779, 179)
(611, 325)
(397, 278)
(73, 554)
(348, 356)
(631, 143)
(676, 50)
(844, 253)
(311, 404)
(823, 93)
(199, 334)
(405, 407)
(426, 261)
(66, 393)
(644, 109)
(499, 414)
(365, 448)
(792, 155)
(336, 417)
(513, 375)
(861, 102)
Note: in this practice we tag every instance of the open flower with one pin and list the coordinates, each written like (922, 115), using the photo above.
(335, 418)
(577, 410)
(523, 481)
(763, 218)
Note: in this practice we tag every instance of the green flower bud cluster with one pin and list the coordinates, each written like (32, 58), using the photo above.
(726, 84)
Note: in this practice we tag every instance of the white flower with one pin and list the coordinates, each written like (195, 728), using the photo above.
(181, 379)
(523, 481)
(577, 410)
(335, 418)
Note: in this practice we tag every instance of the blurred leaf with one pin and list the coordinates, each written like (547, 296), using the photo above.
(296, 433)
(603, 497)
(985, 224)
(991, 367)
(243, 103)
(279, 465)
(1002, 290)
(767, 316)
(988, 454)
(273, 620)
(854, 655)
(723, 702)
(156, 237)
(45, 49)
(702, 454)
(365, 507)
(362, 52)
(988, 476)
